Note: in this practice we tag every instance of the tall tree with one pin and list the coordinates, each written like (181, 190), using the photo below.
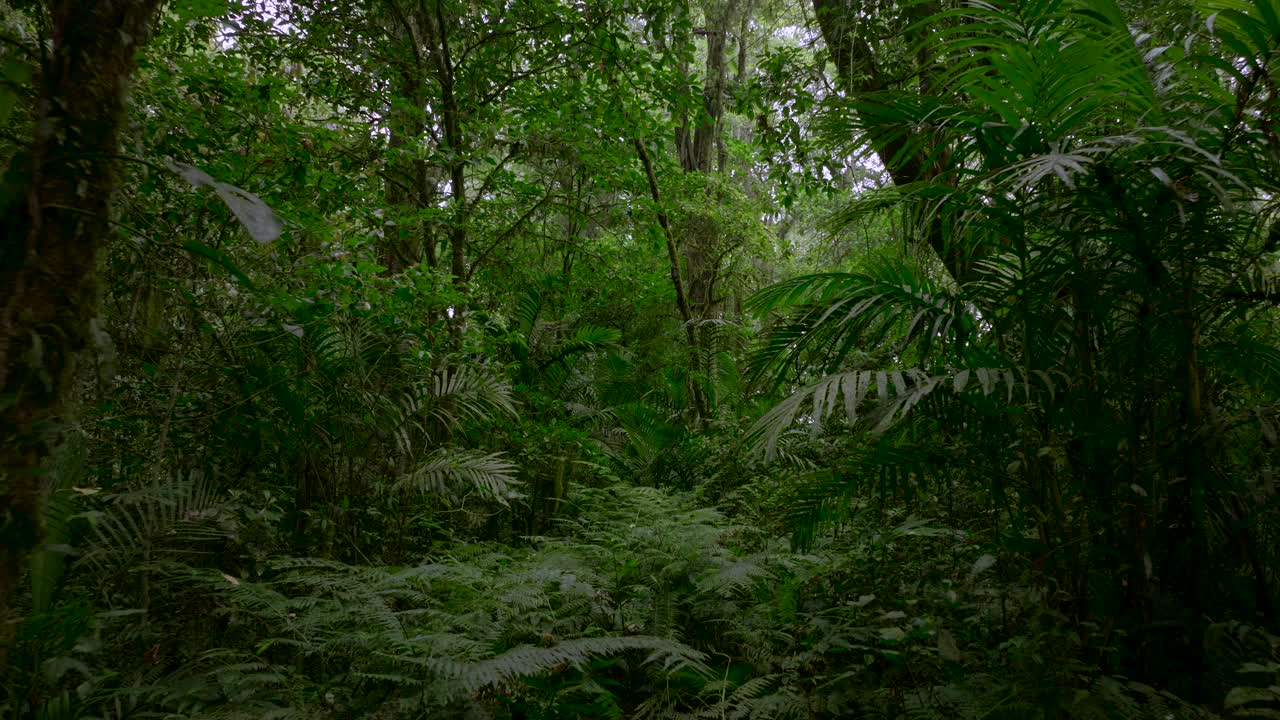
(56, 212)
(697, 238)
(409, 181)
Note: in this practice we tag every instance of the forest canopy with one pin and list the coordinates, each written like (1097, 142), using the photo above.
(639, 359)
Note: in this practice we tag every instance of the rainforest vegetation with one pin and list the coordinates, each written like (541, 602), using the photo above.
(660, 359)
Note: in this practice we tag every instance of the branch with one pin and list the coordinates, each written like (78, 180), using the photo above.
(475, 263)
(488, 179)
(674, 257)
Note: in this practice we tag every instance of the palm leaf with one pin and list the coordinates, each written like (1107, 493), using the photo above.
(449, 470)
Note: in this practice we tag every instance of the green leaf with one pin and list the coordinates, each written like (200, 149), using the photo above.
(892, 634)
(16, 74)
(947, 648)
(1241, 696)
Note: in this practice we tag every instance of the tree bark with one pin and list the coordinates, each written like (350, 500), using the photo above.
(700, 147)
(56, 213)
(406, 185)
(703, 234)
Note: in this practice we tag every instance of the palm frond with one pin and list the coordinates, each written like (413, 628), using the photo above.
(834, 315)
(450, 471)
(587, 338)
(461, 394)
(164, 520)
(895, 393)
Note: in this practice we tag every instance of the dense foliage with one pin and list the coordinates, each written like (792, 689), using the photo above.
(729, 359)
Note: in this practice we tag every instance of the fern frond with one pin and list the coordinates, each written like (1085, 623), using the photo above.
(587, 338)
(735, 576)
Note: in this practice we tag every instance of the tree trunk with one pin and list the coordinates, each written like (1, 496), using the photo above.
(858, 73)
(406, 183)
(703, 235)
(698, 145)
(56, 214)
(455, 149)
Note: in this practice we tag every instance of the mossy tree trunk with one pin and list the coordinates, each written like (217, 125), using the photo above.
(55, 211)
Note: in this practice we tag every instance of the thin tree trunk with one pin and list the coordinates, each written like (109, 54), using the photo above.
(406, 244)
(672, 253)
(673, 257)
(454, 146)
